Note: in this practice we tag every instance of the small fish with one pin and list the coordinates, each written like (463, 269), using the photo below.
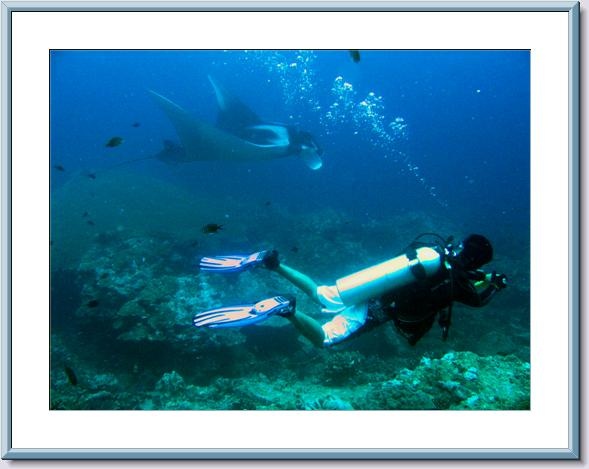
(59, 167)
(267, 203)
(85, 215)
(294, 249)
(114, 142)
(211, 228)
(355, 54)
(92, 303)
(51, 243)
(104, 275)
(71, 375)
(136, 124)
(92, 175)
(194, 244)
(90, 222)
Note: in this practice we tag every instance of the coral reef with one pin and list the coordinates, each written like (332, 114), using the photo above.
(459, 380)
(328, 402)
(122, 324)
(341, 368)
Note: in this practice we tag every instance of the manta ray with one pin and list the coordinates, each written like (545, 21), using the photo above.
(239, 134)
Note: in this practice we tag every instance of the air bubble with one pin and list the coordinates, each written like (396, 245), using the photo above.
(295, 73)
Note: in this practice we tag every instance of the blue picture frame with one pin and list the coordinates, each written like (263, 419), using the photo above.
(572, 9)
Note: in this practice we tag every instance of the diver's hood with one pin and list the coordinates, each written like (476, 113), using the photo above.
(474, 252)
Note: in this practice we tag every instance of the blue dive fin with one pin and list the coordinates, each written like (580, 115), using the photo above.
(246, 315)
(235, 263)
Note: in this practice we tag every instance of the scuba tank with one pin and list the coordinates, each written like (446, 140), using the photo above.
(415, 265)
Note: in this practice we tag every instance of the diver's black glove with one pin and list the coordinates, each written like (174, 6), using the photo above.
(271, 260)
(499, 281)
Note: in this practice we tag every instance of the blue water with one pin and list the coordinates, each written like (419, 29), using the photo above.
(440, 135)
(467, 115)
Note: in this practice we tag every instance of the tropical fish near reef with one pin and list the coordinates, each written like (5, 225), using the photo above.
(114, 142)
(211, 228)
(71, 375)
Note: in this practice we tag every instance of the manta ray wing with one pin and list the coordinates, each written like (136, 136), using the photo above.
(239, 120)
(202, 141)
(234, 115)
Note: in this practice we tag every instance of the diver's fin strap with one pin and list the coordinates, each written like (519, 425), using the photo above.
(416, 267)
(281, 305)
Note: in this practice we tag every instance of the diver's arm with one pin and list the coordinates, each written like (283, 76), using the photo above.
(481, 287)
(300, 280)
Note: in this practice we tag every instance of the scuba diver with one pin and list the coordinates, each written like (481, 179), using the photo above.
(411, 290)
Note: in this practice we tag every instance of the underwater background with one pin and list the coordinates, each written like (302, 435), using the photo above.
(413, 141)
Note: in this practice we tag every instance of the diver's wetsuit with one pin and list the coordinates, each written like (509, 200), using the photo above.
(413, 309)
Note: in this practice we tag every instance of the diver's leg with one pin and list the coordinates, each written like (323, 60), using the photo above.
(300, 280)
(308, 327)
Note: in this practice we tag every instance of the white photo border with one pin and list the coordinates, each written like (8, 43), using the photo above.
(66, 435)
